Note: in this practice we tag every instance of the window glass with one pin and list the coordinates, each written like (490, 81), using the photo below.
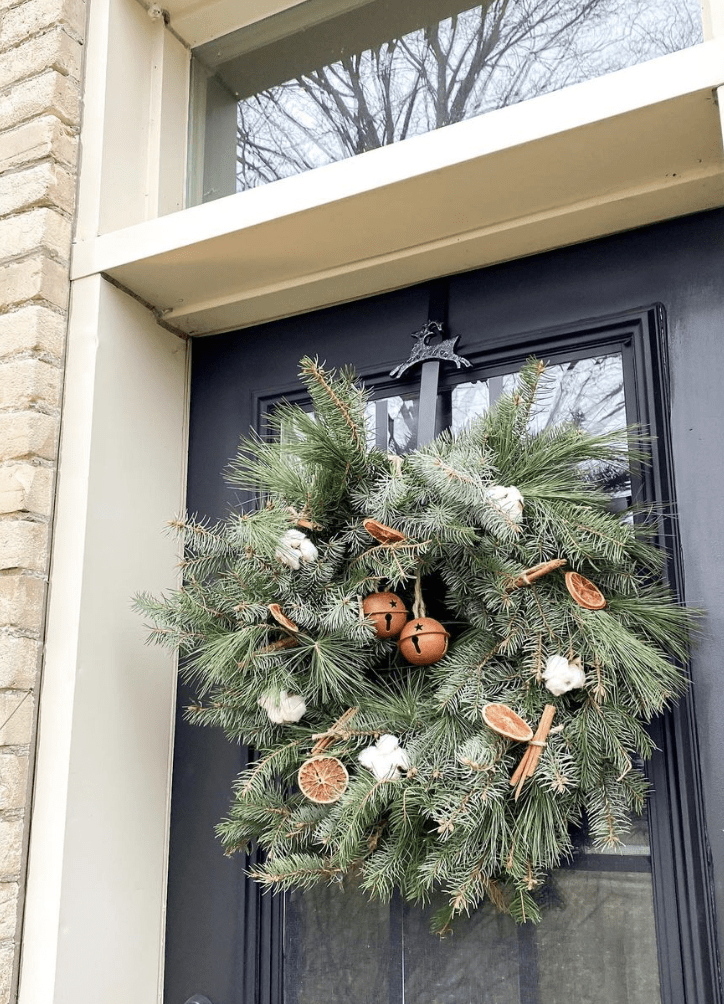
(392, 423)
(327, 80)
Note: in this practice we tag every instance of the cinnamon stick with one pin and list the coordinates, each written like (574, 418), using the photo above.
(528, 577)
(529, 761)
(325, 739)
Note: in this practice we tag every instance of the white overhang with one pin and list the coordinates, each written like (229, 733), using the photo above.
(637, 146)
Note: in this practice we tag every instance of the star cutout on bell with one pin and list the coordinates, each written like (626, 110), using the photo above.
(419, 627)
(393, 603)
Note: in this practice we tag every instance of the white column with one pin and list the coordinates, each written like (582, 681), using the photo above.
(97, 875)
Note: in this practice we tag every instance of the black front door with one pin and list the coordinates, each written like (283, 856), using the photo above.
(619, 929)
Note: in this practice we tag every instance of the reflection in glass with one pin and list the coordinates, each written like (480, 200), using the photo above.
(312, 86)
(587, 392)
(392, 423)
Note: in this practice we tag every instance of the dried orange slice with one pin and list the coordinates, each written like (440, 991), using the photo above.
(323, 779)
(503, 720)
(584, 592)
(385, 534)
(281, 618)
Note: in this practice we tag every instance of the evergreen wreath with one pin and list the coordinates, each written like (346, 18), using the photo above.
(427, 777)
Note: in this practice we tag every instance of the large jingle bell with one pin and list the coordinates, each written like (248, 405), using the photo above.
(387, 612)
(423, 641)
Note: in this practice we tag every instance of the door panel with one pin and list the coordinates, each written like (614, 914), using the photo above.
(234, 945)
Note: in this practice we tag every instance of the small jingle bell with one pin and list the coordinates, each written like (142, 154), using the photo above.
(387, 612)
(423, 641)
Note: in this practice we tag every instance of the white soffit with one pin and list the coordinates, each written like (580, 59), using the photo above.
(637, 146)
(198, 22)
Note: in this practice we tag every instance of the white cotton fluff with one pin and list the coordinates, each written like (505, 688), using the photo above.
(508, 499)
(294, 548)
(283, 707)
(561, 675)
(385, 759)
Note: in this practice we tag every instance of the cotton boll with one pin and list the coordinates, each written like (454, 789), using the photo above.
(508, 499)
(561, 675)
(294, 548)
(283, 707)
(307, 550)
(555, 665)
(385, 759)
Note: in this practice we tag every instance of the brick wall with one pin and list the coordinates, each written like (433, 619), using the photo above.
(40, 62)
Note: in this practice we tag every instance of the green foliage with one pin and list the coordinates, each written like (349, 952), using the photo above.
(452, 822)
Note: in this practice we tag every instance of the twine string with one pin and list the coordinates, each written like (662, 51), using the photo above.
(418, 606)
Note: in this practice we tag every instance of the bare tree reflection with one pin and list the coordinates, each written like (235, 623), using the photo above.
(491, 56)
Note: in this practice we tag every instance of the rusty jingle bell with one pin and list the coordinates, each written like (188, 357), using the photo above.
(423, 641)
(387, 612)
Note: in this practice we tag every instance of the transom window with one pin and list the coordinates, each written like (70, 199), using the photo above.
(327, 80)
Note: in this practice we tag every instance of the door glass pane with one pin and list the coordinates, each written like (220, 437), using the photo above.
(327, 80)
(601, 947)
(337, 947)
(596, 942)
(480, 961)
(587, 392)
(392, 423)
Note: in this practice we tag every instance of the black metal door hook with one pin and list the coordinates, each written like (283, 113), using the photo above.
(430, 356)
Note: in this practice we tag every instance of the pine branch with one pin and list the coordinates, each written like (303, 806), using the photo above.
(310, 368)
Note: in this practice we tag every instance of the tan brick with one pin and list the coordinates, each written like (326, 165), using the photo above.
(8, 909)
(18, 662)
(34, 16)
(7, 956)
(23, 544)
(13, 780)
(35, 278)
(48, 93)
(35, 230)
(11, 846)
(27, 434)
(42, 185)
(29, 383)
(12, 492)
(21, 602)
(32, 329)
(16, 712)
(26, 488)
(43, 137)
(54, 50)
